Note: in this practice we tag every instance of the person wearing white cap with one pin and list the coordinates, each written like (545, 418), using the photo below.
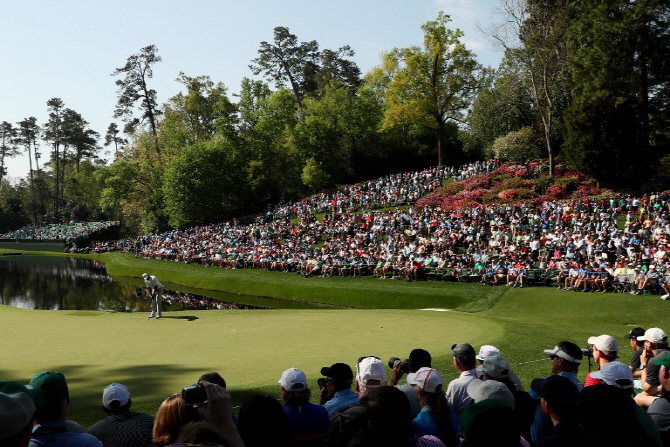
(155, 292)
(435, 417)
(655, 348)
(122, 427)
(487, 351)
(307, 421)
(616, 374)
(605, 350)
(370, 374)
(649, 280)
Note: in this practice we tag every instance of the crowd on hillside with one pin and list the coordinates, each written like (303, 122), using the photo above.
(405, 404)
(618, 244)
(70, 230)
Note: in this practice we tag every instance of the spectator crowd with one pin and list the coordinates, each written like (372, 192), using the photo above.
(70, 230)
(608, 245)
(408, 403)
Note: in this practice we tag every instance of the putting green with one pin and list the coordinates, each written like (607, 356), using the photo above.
(156, 358)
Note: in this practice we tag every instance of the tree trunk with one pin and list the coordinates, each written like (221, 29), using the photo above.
(440, 149)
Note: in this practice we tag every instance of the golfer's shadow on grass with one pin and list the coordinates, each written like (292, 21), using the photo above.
(182, 317)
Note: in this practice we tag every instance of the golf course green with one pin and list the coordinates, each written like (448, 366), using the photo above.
(250, 349)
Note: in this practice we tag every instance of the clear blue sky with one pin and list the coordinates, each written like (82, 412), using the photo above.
(69, 48)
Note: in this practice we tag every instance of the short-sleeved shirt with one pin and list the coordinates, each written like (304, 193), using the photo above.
(635, 358)
(457, 391)
(153, 282)
(653, 369)
(342, 400)
(308, 422)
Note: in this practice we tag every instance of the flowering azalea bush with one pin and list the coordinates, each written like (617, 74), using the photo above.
(510, 184)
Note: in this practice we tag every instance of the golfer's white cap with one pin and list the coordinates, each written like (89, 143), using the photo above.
(293, 379)
(145, 275)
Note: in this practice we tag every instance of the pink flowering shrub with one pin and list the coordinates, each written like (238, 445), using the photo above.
(508, 184)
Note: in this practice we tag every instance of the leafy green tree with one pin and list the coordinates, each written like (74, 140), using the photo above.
(252, 95)
(112, 136)
(198, 115)
(519, 146)
(28, 133)
(83, 191)
(53, 132)
(618, 122)
(430, 86)
(538, 48)
(285, 61)
(502, 105)
(336, 66)
(134, 88)
(79, 137)
(8, 148)
(273, 165)
(204, 185)
(313, 176)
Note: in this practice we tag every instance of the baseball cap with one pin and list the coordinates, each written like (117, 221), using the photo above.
(496, 367)
(340, 373)
(617, 374)
(480, 390)
(464, 353)
(369, 369)
(559, 392)
(487, 351)
(634, 333)
(52, 384)
(145, 275)
(605, 343)
(293, 379)
(17, 408)
(654, 335)
(428, 379)
(115, 392)
(562, 354)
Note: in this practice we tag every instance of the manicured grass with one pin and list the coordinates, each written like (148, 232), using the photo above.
(155, 358)
(252, 348)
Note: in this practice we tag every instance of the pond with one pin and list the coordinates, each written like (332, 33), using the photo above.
(66, 283)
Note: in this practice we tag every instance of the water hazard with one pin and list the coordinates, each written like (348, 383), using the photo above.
(65, 283)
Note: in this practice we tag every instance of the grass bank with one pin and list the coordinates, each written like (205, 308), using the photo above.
(251, 348)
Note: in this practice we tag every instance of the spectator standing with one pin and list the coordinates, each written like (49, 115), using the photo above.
(339, 379)
(51, 428)
(465, 363)
(122, 428)
(308, 422)
(418, 358)
(558, 401)
(370, 374)
(17, 411)
(565, 360)
(435, 418)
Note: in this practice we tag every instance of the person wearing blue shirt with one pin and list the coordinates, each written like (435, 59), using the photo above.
(565, 360)
(337, 395)
(308, 422)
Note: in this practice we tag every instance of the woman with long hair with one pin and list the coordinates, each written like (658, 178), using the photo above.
(435, 418)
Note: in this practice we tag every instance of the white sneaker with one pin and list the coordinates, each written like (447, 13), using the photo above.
(666, 296)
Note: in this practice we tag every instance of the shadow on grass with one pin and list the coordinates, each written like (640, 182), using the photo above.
(181, 317)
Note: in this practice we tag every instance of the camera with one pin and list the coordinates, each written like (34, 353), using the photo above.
(321, 382)
(194, 395)
(588, 352)
(404, 367)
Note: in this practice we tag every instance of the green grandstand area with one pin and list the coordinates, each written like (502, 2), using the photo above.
(251, 348)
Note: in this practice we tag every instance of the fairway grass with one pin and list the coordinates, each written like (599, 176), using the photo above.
(250, 349)
(156, 358)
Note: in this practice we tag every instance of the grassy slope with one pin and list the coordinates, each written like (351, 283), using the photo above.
(157, 359)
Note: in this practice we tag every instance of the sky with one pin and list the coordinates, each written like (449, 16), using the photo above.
(68, 49)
